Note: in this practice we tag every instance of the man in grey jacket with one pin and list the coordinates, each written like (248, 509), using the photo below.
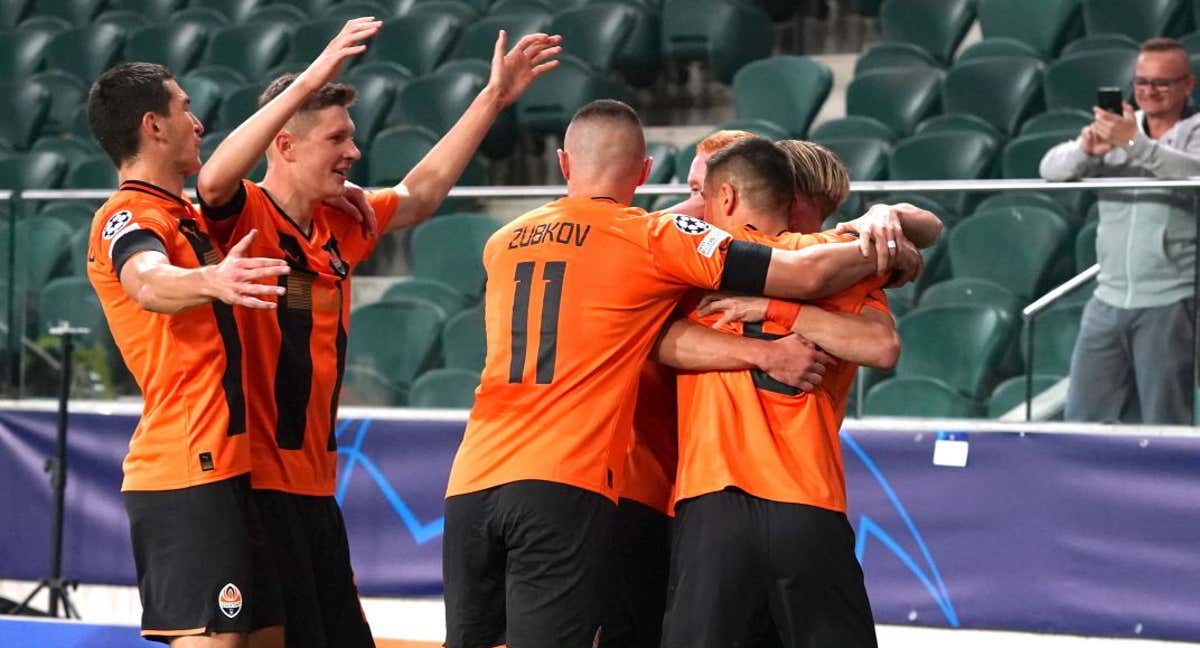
(1134, 351)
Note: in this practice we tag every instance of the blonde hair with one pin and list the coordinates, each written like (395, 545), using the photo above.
(720, 140)
(819, 171)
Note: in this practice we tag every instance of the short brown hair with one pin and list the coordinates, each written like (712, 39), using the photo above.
(1163, 45)
(119, 99)
(608, 109)
(761, 172)
(720, 140)
(819, 171)
(330, 94)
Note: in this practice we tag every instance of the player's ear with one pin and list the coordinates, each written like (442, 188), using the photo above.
(727, 198)
(564, 163)
(151, 129)
(645, 175)
(284, 145)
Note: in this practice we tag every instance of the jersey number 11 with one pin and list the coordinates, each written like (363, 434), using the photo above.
(547, 351)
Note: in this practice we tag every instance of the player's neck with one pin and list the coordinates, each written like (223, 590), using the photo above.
(297, 204)
(770, 225)
(157, 173)
(618, 194)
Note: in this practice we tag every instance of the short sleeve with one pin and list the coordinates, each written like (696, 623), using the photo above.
(354, 247)
(130, 229)
(687, 251)
(878, 300)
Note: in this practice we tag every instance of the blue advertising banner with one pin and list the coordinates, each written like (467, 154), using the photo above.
(1045, 529)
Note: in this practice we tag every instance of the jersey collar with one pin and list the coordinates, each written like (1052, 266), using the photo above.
(152, 189)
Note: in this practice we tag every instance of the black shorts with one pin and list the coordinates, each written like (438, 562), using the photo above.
(307, 535)
(744, 568)
(524, 565)
(640, 556)
(202, 561)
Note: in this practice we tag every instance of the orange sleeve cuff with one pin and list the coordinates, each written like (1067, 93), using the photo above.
(783, 313)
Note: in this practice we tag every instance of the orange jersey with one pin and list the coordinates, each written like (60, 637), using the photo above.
(743, 429)
(650, 466)
(295, 355)
(577, 292)
(188, 364)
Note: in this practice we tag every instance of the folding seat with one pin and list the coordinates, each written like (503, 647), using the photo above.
(785, 90)
(156, 11)
(351, 9)
(662, 169)
(503, 7)
(970, 290)
(998, 48)
(213, 139)
(1023, 155)
(899, 98)
(1071, 82)
(444, 388)
(437, 100)
(85, 52)
(23, 51)
(376, 93)
(1100, 43)
(450, 249)
(396, 338)
(418, 41)
(96, 173)
(937, 26)
(250, 49)
(551, 100)
(210, 19)
(886, 56)
(1023, 199)
(952, 122)
(852, 126)
(1191, 42)
(395, 151)
(235, 10)
(205, 94)
(12, 12)
(74, 214)
(175, 45)
(237, 106)
(72, 299)
(1046, 25)
(33, 170)
(918, 396)
(432, 290)
(1138, 19)
(639, 59)
(865, 158)
(76, 12)
(950, 155)
(1002, 91)
(595, 34)
(363, 386)
(1011, 393)
(478, 41)
(465, 12)
(1013, 247)
(66, 93)
(959, 344)
(464, 342)
(1085, 246)
(310, 38)
(41, 246)
(1054, 334)
(286, 15)
(1055, 121)
(725, 34)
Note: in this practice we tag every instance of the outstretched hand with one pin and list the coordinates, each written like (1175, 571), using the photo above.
(514, 71)
(349, 42)
(235, 279)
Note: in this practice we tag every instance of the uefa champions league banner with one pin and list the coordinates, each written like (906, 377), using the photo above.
(1047, 531)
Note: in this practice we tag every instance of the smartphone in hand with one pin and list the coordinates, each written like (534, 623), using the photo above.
(1109, 98)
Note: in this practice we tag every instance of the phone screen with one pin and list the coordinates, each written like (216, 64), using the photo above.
(1109, 98)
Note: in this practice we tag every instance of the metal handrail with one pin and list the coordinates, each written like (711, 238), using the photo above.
(1029, 315)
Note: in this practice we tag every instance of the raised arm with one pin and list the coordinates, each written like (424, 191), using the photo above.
(1074, 159)
(222, 173)
(883, 223)
(688, 346)
(149, 279)
(1121, 131)
(426, 185)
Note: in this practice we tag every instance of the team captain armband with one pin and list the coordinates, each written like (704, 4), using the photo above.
(746, 268)
(783, 313)
(130, 243)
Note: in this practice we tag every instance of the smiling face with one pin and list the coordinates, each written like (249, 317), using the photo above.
(1163, 82)
(323, 150)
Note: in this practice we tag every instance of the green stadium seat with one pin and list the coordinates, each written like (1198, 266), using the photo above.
(437, 100)
(431, 290)
(279, 14)
(85, 51)
(887, 56)
(761, 127)
(96, 173)
(310, 38)
(725, 34)
(1100, 43)
(77, 257)
(969, 290)
(551, 100)
(450, 249)
(251, 49)
(959, 344)
(937, 26)
(465, 12)
(1085, 246)
(900, 98)
(1013, 247)
(478, 41)
(639, 59)
(1023, 199)
(1055, 121)
(397, 339)
(1023, 156)
(22, 52)
(72, 299)
(41, 246)
(396, 151)
(26, 105)
(596, 33)
(13, 12)
(853, 126)
(235, 10)
(237, 106)
(998, 48)
(941, 204)
(784, 90)
(128, 21)
(464, 342)
(1071, 81)
(156, 11)
(900, 300)
(419, 42)
(1054, 334)
(210, 19)
(1191, 42)
(1011, 393)
(351, 9)
(205, 95)
(74, 214)
(508, 7)
(1046, 25)
(1138, 19)
(67, 92)
(950, 155)
(865, 158)
(33, 170)
(376, 93)
(918, 396)
(444, 388)
(76, 12)
(958, 122)
(175, 45)
(211, 141)
(363, 386)
(1002, 91)
(662, 169)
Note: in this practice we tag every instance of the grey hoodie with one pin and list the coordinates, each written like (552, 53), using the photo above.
(1146, 239)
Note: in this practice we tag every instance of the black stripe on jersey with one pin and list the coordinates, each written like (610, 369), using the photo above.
(342, 338)
(294, 367)
(746, 268)
(231, 208)
(762, 379)
(125, 247)
(231, 379)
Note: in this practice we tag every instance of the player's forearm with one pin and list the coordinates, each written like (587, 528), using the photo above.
(688, 346)
(816, 271)
(920, 226)
(164, 288)
(428, 183)
(859, 338)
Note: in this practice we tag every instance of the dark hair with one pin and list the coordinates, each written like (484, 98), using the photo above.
(608, 109)
(760, 171)
(117, 102)
(330, 94)
(1163, 45)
